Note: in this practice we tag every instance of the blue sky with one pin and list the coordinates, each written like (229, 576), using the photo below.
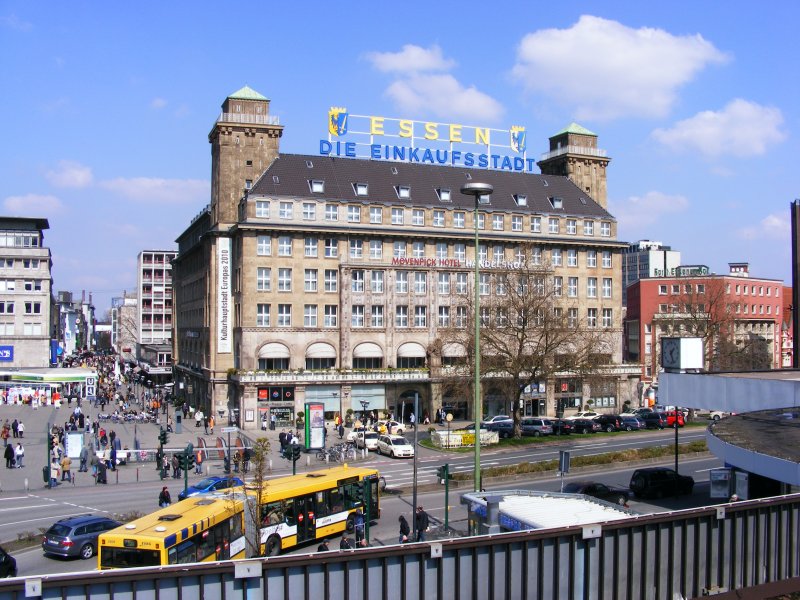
(108, 106)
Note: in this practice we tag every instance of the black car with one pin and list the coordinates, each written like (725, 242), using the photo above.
(562, 426)
(598, 490)
(585, 426)
(76, 536)
(8, 564)
(609, 422)
(658, 482)
(504, 429)
(653, 420)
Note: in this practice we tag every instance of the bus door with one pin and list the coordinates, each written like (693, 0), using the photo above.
(222, 541)
(306, 518)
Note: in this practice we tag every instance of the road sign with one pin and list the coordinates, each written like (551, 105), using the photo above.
(6, 353)
(230, 429)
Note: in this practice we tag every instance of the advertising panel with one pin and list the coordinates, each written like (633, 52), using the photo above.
(315, 425)
(224, 303)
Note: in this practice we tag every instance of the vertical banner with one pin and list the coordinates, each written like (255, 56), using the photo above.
(224, 303)
(315, 425)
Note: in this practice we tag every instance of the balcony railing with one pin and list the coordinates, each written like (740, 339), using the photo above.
(332, 376)
(583, 150)
(248, 118)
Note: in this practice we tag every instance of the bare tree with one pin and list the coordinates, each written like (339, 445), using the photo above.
(532, 329)
(259, 464)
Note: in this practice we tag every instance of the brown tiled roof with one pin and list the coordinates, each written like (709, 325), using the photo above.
(293, 172)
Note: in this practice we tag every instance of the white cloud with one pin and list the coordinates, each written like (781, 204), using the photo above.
(740, 129)
(32, 205)
(411, 59)
(772, 227)
(606, 70)
(151, 190)
(641, 211)
(444, 97)
(158, 103)
(70, 174)
(12, 21)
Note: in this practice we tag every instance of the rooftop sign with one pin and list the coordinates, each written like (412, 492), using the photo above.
(425, 142)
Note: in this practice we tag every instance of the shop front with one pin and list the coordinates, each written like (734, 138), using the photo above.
(278, 401)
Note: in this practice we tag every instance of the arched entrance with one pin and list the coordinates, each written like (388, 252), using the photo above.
(404, 405)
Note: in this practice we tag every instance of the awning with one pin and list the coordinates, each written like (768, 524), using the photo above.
(411, 350)
(273, 350)
(454, 350)
(367, 350)
(321, 350)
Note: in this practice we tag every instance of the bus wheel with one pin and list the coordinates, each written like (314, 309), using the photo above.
(273, 545)
(350, 525)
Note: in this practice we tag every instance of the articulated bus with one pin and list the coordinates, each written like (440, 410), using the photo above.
(297, 509)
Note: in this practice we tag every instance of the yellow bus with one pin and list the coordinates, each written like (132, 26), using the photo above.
(294, 510)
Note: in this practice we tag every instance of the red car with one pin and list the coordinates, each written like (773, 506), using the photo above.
(670, 416)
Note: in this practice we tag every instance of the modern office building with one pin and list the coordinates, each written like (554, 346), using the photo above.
(645, 259)
(327, 279)
(154, 319)
(27, 322)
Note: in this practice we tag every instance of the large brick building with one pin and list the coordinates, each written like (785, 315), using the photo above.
(328, 279)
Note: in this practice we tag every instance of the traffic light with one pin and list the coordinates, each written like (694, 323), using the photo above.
(189, 460)
(162, 437)
(296, 448)
(443, 473)
(358, 493)
(181, 461)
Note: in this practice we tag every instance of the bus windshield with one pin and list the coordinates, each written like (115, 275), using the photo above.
(115, 558)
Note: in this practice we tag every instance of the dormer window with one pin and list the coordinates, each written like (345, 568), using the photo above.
(317, 186)
(444, 194)
(403, 191)
(557, 202)
(485, 199)
(309, 164)
(361, 189)
(520, 200)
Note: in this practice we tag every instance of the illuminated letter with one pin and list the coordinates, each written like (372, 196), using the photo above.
(376, 126)
(431, 133)
(455, 133)
(350, 149)
(406, 128)
(469, 159)
(324, 147)
(482, 136)
(375, 151)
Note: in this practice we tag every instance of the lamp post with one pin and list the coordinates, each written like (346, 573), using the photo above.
(478, 191)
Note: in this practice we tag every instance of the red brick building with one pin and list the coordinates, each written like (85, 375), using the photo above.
(731, 312)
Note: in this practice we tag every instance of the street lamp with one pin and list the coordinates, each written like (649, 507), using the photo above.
(481, 192)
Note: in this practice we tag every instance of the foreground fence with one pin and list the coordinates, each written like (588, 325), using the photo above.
(750, 546)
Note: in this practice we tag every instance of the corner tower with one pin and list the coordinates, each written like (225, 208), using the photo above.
(574, 154)
(244, 141)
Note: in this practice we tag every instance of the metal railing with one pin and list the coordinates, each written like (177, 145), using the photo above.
(248, 118)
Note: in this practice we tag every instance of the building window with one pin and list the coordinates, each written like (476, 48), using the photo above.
(331, 248)
(572, 257)
(558, 286)
(572, 317)
(499, 253)
(403, 191)
(461, 283)
(516, 223)
(331, 316)
(418, 217)
(572, 287)
(444, 316)
(310, 279)
(497, 222)
(264, 245)
(458, 220)
(284, 246)
(286, 210)
(606, 287)
(588, 228)
(310, 247)
(676, 288)
(401, 316)
(33, 285)
(555, 257)
(441, 249)
(701, 288)
(361, 189)
(572, 227)
(331, 280)
(284, 315)
(481, 221)
(376, 282)
(483, 252)
(284, 280)
(310, 315)
(438, 218)
(591, 258)
(444, 194)
(443, 283)
(356, 248)
(520, 200)
(420, 316)
(397, 216)
(376, 215)
(401, 282)
(418, 249)
(358, 280)
(264, 279)
(262, 209)
(420, 282)
(591, 317)
(354, 214)
(357, 316)
(662, 290)
(399, 250)
(309, 211)
(605, 229)
(536, 256)
(376, 316)
(536, 224)
(375, 249)
(483, 284)
(591, 287)
(331, 212)
(6, 308)
(552, 225)
(317, 186)
(262, 315)
(460, 251)
(461, 316)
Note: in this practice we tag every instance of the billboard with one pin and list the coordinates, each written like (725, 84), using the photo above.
(315, 425)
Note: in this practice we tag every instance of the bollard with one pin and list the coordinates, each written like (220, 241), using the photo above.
(117, 476)
(26, 484)
(308, 460)
(270, 465)
(137, 474)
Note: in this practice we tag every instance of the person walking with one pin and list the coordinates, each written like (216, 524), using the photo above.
(53, 473)
(66, 466)
(198, 462)
(272, 421)
(84, 458)
(358, 523)
(164, 499)
(422, 523)
(405, 530)
(205, 425)
(20, 429)
(412, 419)
(5, 433)
(176, 467)
(211, 424)
(19, 454)
(14, 428)
(9, 456)
(324, 547)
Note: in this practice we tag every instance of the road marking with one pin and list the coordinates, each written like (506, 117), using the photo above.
(47, 518)
(24, 507)
(15, 498)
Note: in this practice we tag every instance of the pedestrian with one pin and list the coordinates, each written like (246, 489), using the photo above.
(358, 523)
(113, 458)
(19, 454)
(346, 543)
(9, 456)
(412, 418)
(211, 424)
(53, 473)
(205, 425)
(84, 458)
(405, 530)
(263, 421)
(422, 523)
(246, 455)
(198, 418)
(66, 466)
(93, 462)
(237, 459)
(198, 462)
(164, 499)
(272, 421)
(5, 434)
(20, 429)
(14, 428)
(176, 467)
(164, 466)
(341, 431)
(323, 547)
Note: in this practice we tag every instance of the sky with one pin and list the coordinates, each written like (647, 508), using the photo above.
(108, 106)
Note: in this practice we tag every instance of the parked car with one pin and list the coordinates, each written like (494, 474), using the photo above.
(391, 428)
(670, 417)
(367, 439)
(495, 419)
(8, 564)
(561, 426)
(395, 446)
(76, 536)
(586, 414)
(631, 423)
(658, 482)
(208, 485)
(504, 429)
(653, 420)
(598, 490)
(609, 422)
(535, 426)
(585, 426)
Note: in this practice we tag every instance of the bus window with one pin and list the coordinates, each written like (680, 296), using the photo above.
(185, 552)
(321, 504)
(350, 496)
(289, 513)
(205, 545)
(273, 513)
